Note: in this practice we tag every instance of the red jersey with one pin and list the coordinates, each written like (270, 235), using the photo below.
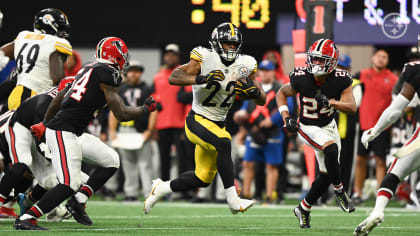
(377, 95)
(172, 113)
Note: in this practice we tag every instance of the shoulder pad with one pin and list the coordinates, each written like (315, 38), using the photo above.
(63, 46)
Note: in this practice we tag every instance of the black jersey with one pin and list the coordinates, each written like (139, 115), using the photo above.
(83, 100)
(134, 96)
(411, 75)
(32, 110)
(311, 113)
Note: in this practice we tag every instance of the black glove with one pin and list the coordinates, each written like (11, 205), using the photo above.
(322, 100)
(150, 103)
(214, 75)
(245, 87)
(291, 125)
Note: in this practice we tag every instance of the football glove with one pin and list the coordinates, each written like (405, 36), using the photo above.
(150, 103)
(214, 75)
(246, 88)
(322, 100)
(291, 125)
(38, 130)
(368, 136)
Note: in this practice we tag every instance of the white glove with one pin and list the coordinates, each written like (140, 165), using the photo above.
(368, 136)
(3, 60)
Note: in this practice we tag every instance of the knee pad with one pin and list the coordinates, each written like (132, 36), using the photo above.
(390, 182)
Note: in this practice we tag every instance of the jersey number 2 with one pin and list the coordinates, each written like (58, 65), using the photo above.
(213, 93)
(79, 86)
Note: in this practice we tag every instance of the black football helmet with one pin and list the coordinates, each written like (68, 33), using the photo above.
(226, 33)
(52, 21)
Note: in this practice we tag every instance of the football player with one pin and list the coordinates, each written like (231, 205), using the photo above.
(69, 113)
(39, 55)
(216, 74)
(409, 153)
(322, 89)
(26, 161)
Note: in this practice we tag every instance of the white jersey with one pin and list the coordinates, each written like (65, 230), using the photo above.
(213, 100)
(32, 54)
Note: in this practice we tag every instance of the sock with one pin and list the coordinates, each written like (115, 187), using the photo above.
(186, 181)
(99, 177)
(231, 192)
(319, 186)
(34, 212)
(36, 194)
(53, 198)
(224, 162)
(84, 193)
(331, 163)
(338, 188)
(305, 205)
(386, 191)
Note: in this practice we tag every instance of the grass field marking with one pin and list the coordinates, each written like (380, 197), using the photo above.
(218, 205)
(213, 228)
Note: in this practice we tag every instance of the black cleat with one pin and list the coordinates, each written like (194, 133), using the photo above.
(344, 201)
(29, 224)
(78, 212)
(303, 217)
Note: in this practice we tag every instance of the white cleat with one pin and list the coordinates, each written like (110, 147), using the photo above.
(364, 228)
(239, 205)
(154, 196)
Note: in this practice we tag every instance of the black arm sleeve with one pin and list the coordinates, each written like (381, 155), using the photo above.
(184, 97)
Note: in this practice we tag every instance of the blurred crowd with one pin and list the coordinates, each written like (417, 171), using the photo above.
(270, 164)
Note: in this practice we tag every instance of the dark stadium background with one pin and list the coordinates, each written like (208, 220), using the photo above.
(145, 23)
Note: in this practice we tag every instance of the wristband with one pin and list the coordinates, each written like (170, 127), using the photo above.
(283, 108)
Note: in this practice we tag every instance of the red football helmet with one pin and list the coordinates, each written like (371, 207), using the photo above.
(114, 51)
(322, 57)
(65, 81)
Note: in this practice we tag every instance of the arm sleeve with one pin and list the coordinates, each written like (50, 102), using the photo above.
(184, 97)
(391, 114)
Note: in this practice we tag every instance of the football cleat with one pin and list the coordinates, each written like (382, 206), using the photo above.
(344, 201)
(6, 212)
(78, 212)
(239, 205)
(373, 220)
(29, 224)
(155, 195)
(303, 217)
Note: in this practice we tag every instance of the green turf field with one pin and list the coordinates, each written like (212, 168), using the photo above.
(116, 218)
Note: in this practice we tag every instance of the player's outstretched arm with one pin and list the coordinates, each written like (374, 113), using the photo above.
(261, 99)
(394, 111)
(347, 103)
(57, 67)
(116, 104)
(185, 74)
(281, 99)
